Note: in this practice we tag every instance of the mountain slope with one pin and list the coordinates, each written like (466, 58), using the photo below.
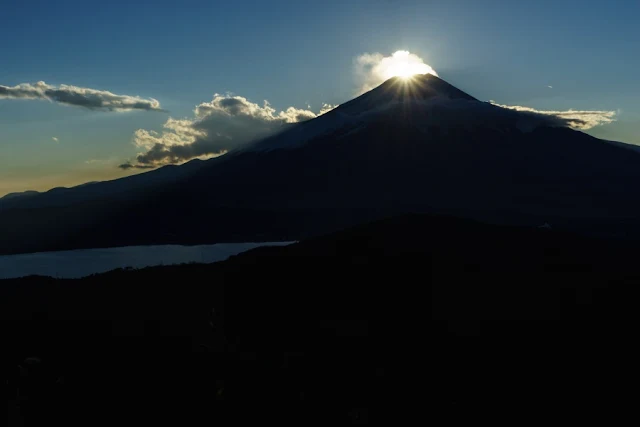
(20, 194)
(423, 146)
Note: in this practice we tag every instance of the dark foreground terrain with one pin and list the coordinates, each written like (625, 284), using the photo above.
(416, 318)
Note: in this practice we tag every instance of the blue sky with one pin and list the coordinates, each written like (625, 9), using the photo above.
(290, 53)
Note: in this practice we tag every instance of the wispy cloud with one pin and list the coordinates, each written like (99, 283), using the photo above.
(99, 161)
(129, 165)
(225, 123)
(55, 138)
(576, 119)
(92, 99)
(373, 69)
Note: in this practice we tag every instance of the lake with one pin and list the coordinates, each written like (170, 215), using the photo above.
(84, 262)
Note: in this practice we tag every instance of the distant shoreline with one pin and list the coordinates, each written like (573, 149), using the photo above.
(78, 263)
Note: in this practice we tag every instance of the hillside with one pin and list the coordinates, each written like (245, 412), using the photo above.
(412, 316)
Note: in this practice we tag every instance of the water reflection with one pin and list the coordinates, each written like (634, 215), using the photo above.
(81, 263)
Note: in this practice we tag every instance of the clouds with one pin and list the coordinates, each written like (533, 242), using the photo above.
(373, 69)
(55, 139)
(107, 161)
(225, 123)
(128, 165)
(576, 119)
(92, 99)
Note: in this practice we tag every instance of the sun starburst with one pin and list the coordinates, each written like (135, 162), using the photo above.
(404, 64)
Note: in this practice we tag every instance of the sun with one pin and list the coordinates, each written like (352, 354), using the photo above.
(405, 65)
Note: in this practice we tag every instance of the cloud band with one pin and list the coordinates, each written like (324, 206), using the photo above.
(225, 123)
(80, 97)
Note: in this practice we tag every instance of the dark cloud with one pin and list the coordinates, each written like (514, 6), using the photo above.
(80, 97)
(128, 165)
(161, 153)
(233, 106)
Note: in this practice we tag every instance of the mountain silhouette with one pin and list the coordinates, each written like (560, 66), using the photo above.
(418, 145)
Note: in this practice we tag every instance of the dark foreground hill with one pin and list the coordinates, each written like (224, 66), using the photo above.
(416, 318)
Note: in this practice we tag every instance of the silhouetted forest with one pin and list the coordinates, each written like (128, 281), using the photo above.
(419, 317)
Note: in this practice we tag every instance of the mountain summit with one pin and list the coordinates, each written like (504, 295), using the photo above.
(420, 102)
(418, 145)
(421, 87)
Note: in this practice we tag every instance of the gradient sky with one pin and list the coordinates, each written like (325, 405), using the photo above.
(290, 53)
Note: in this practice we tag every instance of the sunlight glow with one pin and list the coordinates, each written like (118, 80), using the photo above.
(373, 69)
(404, 64)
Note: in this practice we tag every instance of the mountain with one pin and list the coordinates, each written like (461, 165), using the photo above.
(91, 191)
(418, 146)
(57, 191)
(20, 194)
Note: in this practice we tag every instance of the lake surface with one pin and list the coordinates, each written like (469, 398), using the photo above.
(84, 262)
